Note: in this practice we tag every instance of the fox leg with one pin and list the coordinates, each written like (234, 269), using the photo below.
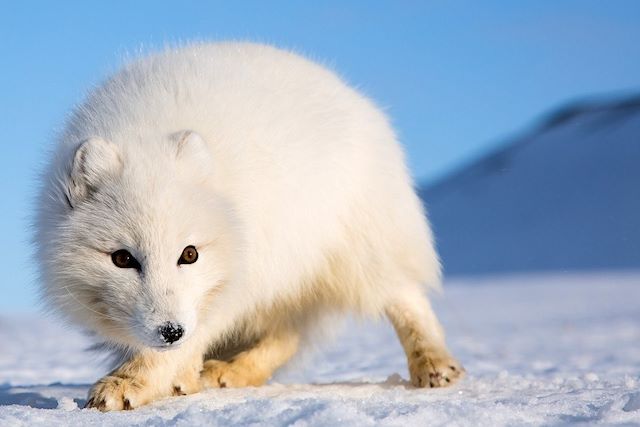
(422, 337)
(252, 367)
(147, 376)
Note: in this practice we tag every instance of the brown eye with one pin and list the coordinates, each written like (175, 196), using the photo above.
(123, 259)
(189, 255)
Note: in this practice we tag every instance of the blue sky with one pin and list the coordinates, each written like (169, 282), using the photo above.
(457, 77)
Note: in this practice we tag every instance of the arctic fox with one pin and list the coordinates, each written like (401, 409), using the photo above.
(207, 205)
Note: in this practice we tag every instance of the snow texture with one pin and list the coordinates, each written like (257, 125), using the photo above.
(550, 350)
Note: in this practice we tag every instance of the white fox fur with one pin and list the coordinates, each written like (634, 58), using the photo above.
(290, 185)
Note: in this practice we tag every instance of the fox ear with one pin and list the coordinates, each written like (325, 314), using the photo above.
(190, 146)
(95, 160)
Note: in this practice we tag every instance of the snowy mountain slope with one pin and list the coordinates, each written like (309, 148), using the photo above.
(550, 350)
(565, 197)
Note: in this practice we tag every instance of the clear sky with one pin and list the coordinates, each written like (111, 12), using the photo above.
(457, 77)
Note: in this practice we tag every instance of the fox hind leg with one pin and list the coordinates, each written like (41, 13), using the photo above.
(422, 337)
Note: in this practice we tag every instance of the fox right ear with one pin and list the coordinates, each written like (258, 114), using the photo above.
(94, 161)
(191, 147)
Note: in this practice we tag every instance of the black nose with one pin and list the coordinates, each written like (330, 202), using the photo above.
(171, 332)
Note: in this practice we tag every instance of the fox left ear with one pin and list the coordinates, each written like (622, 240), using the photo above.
(190, 145)
(94, 161)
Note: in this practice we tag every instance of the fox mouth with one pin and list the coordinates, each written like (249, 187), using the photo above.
(162, 346)
(166, 347)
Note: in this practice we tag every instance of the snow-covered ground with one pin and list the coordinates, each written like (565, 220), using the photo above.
(538, 350)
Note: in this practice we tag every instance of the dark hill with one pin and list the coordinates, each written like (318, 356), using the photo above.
(565, 197)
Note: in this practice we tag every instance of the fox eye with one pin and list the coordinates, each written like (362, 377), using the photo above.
(189, 255)
(123, 259)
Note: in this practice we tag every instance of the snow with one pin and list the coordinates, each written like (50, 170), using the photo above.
(543, 349)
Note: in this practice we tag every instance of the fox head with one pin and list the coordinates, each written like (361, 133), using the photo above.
(134, 244)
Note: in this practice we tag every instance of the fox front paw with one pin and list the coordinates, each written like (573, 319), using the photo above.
(434, 370)
(113, 393)
(220, 374)
(187, 384)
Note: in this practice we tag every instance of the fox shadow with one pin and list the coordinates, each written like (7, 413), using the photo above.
(37, 396)
(40, 396)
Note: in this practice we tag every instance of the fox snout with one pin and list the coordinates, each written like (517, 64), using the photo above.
(162, 331)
